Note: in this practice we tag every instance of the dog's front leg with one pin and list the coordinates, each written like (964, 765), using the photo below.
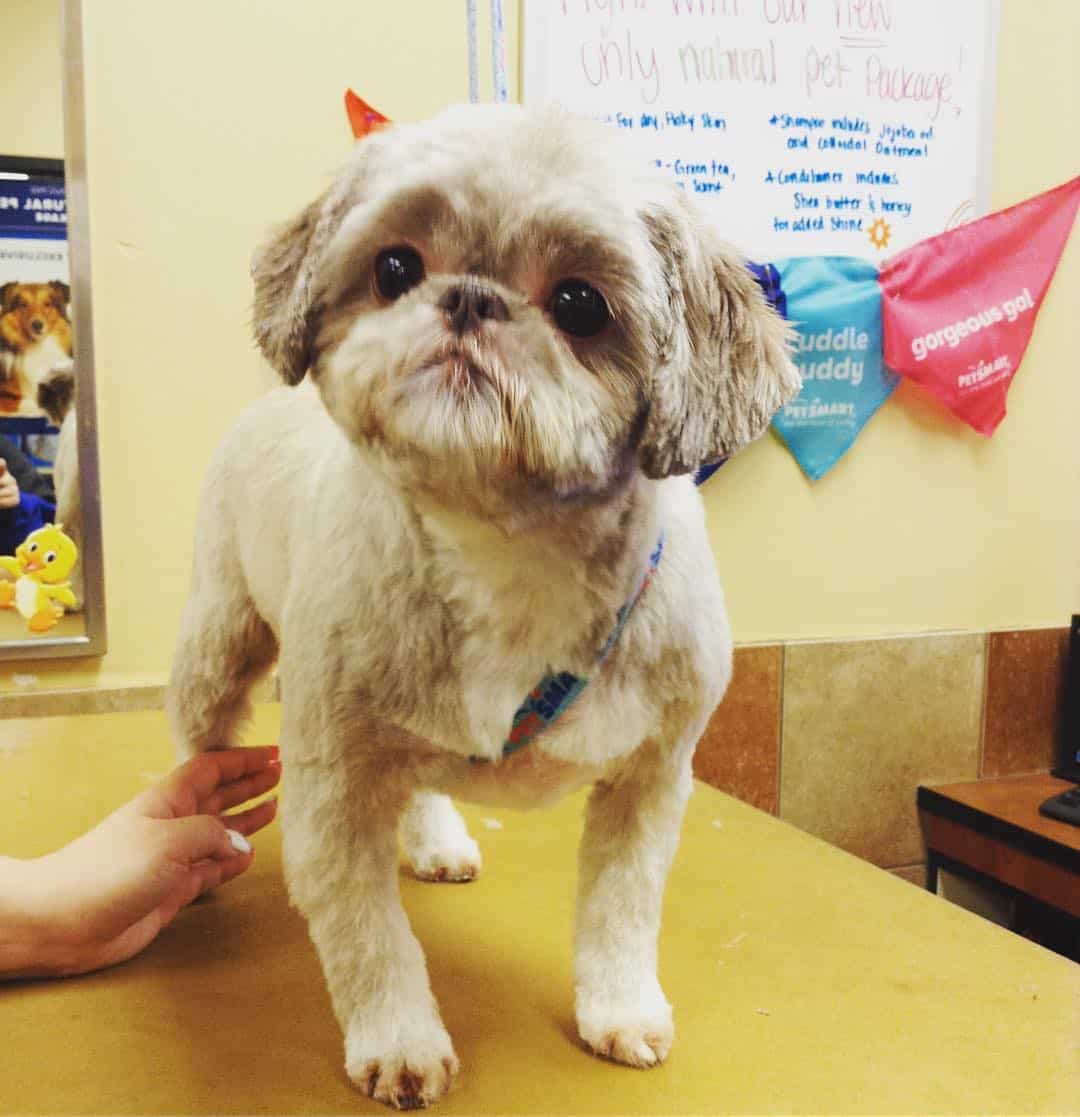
(631, 832)
(339, 827)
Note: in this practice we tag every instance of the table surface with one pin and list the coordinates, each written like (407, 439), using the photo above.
(803, 979)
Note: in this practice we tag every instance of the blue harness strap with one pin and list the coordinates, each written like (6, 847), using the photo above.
(553, 695)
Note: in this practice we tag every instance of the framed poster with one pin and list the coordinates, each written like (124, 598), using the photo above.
(48, 444)
(803, 127)
(35, 292)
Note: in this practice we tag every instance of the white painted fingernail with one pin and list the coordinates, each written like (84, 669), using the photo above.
(238, 841)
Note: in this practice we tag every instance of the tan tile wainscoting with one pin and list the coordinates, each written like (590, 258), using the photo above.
(833, 737)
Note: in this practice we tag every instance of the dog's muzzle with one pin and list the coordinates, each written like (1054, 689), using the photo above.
(468, 304)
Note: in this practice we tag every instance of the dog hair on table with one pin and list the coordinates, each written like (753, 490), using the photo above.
(513, 346)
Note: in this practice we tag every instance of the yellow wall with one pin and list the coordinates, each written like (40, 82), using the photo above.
(926, 525)
(31, 119)
(208, 120)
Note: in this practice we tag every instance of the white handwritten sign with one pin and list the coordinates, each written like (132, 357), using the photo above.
(804, 127)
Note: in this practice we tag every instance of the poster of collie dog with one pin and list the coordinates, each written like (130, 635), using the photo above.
(35, 338)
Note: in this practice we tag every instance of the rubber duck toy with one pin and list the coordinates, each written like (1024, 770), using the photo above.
(40, 569)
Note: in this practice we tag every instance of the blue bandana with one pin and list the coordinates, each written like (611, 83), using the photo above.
(553, 695)
(835, 305)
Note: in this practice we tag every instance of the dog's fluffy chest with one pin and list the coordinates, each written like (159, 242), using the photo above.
(518, 613)
(36, 360)
(408, 616)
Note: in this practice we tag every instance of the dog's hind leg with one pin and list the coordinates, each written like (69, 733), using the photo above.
(436, 842)
(224, 648)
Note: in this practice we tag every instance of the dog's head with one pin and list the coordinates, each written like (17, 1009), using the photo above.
(31, 311)
(500, 299)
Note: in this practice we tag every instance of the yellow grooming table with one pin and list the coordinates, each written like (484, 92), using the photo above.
(804, 980)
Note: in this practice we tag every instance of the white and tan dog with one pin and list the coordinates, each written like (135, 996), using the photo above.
(517, 348)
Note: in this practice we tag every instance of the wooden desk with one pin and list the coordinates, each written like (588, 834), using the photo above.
(991, 831)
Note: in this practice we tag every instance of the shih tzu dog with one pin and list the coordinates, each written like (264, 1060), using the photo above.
(471, 538)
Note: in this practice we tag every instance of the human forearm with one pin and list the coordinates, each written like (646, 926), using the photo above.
(26, 948)
(104, 896)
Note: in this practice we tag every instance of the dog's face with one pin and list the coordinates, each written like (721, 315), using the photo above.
(29, 312)
(498, 301)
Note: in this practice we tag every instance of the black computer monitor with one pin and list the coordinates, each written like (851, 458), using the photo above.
(1069, 752)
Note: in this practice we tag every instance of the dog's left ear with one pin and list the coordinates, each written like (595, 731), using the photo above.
(284, 269)
(62, 291)
(723, 368)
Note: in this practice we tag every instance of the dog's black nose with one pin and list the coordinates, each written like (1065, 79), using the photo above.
(37, 325)
(468, 304)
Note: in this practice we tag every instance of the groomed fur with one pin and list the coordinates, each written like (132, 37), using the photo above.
(443, 513)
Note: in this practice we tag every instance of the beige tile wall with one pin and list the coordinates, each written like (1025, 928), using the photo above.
(864, 723)
(740, 750)
(835, 737)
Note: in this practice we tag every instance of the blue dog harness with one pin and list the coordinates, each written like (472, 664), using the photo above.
(553, 695)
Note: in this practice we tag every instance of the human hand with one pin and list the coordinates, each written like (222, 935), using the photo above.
(105, 896)
(9, 487)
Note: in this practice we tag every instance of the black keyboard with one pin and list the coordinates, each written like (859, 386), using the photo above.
(1064, 807)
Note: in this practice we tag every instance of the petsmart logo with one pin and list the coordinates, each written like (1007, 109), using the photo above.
(801, 410)
(952, 335)
(983, 372)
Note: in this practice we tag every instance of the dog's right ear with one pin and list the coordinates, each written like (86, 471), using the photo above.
(284, 270)
(5, 295)
(725, 365)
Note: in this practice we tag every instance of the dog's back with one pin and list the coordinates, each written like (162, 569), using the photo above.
(284, 487)
(261, 486)
(257, 489)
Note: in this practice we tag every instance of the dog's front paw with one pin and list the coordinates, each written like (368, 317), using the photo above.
(437, 842)
(408, 1077)
(455, 859)
(637, 1032)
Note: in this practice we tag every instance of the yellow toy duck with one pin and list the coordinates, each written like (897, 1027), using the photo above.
(40, 568)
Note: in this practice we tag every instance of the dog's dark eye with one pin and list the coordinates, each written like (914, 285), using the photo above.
(579, 309)
(397, 270)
